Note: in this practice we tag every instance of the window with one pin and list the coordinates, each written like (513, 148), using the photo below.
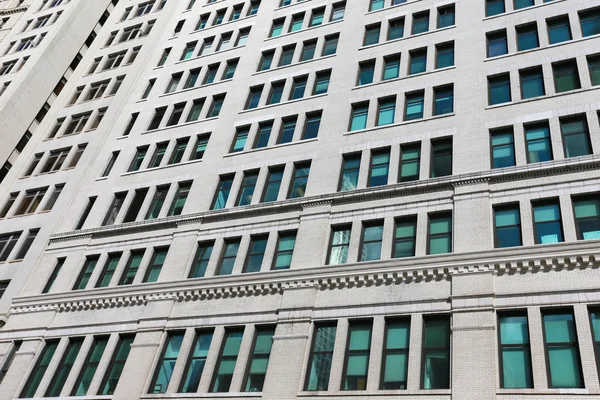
(132, 267)
(131, 123)
(287, 55)
(337, 12)
(256, 253)
(56, 160)
(230, 68)
(247, 189)
(77, 156)
(299, 180)
(366, 72)
(115, 207)
(321, 357)
(227, 360)
(286, 134)
(195, 110)
(559, 29)
(159, 113)
(90, 366)
(135, 205)
(527, 37)
(322, 82)
(156, 263)
(254, 97)
(395, 355)
(27, 244)
(499, 89)
(523, 3)
(228, 256)
(418, 61)
(312, 125)
(532, 82)
(202, 22)
(188, 51)
(537, 140)
(350, 171)
(386, 111)
(201, 260)
(276, 92)
(358, 119)
(159, 153)
(166, 363)
(211, 73)
(594, 67)
(31, 201)
(590, 22)
(445, 16)
(215, 107)
(562, 349)
(179, 150)
(165, 56)
(200, 148)
(180, 198)
(503, 148)
(117, 363)
(264, 133)
(358, 350)
(176, 114)
(339, 244)
(273, 184)
(379, 168)
(266, 60)
(507, 225)
(317, 17)
(410, 160)
(436, 353)
(376, 5)
(284, 251)
(308, 50)
(222, 194)
(236, 12)
(497, 43)
(441, 157)
(34, 163)
(39, 369)
(55, 271)
(587, 217)
(566, 76)
(414, 105)
(157, 202)
(207, 46)
(138, 159)
(371, 241)
(297, 21)
(515, 354)
(443, 100)
(109, 270)
(64, 367)
(259, 359)
(330, 45)
(16, 346)
(277, 27)
(372, 34)
(391, 68)
(86, 212)
(396, 28)
(420, 22)
(8, 205)
(440, 233)
(196, 362)
(445, 55)
(576, 136)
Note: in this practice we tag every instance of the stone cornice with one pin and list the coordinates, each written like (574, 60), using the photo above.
(369, 194)
(558, 257)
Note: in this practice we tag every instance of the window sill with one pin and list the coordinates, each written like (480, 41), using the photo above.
(195, 87)
(277, 146)
(407, 38)
(102, 178)
(179, 125)
(383, 393)
(403, 78)
(399, 124)
(208, 55)
(269, 106)
(310, 28)
(516, 392)
(548, 96)
(221, 24)
(293, 65)
(226, 395)
(521, 10)
(161, 167)
(551, 46)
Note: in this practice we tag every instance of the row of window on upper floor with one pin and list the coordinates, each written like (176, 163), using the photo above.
(218, 17)
(24, 44)
(114, 60)
(9, 66)
(497, 7)
(130, 33)
(47, 4)
(16, 240)
(55, 160)
(142, 9)
(42, 21)
(298, 21)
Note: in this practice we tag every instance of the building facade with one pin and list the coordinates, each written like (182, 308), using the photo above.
(285, 199)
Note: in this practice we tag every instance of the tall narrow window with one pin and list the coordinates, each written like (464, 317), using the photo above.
(299, 180)
(443, 102)
(405, 237)
(507, 220)
(200, 147)
(55, 271)
(321, 357)
(418, 61)
(166, 363)
(444, 55)
(7, 244)
(259, 360)
(595, 321)
(515, 355)
(201, 259)
(503, 148)
(350, 171)
(241, 137)
(566, 76)
(441, 157)
(499, 89)
(222, 193)
(440, 233)
(271, 191)
(156, 264)
(216, 105)
(372, 34)
(276, 92)
(386, 111)
(284, 251)
(358, 351)
(420, 22)
(587, 217)
(590, 22)
(138, 159)
(391, 68)
(31, 235)
(179, 150)
(322, 82)
(358, 119)
(132, 267)
(264, 133)
(64, 367)
(228, 256)
(90, 366)
(414, 107)
(158, 200)
(395, 355)
(227, 360)
(117, 363)
(497, 43)
(135, 205)
(527, 37)
(183, 190)
(371, 241)
(109, 270)
(196, 362)
(159, 154)
(115, 207)
(298, 87)
(8, 205)
(576, 136)
(379, 169)
(111, 163)
(39, 369)
(195, 110)
(9, 359)
(436, 353)
(256, 253)
(339, 244)
(86, 272)
(366, 72)
(537, 140)
(410, 161)
(547, 223)
(562, 349)
(247, 189)
(288, 127)
(330, 45)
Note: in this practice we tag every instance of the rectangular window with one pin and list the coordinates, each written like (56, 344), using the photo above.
(115, 207)
(117, 363)
(414, 107)
(441, 157)
(405, 237)
(396, 28)
(166, 363)
(227, 359)
(266, 60)
(440, 233)
(135, 205)
(287, 55)
(132, 267)
(350, 171)
(298, 87)
(497, 43)
(330, 45)
(566, 76)
(499, 89)
(379, 168)
(8, 205)
(256, 253)
(179, 150)
(201, 259)
(200, 148)
(595, 322)
(594, 67)
(31, 201)
(308, 50)
(277, 27)
(590, 22)
(532, 82)
(337, 12)
(222, 194)
(228, 256)
(31, 235)
(254, 97)
(55, 271)
(507, 224)
(339, 244)
(317, 17)
(297, 21)
(358, 350)
(444, 55)
(39, 369)
(88, 370)
(418, 61)
(562, 349)
(247, 189)
(159, 114)
(446, 16)
(436, 353)
(503, 147)
(64, 367)
(576, 137)
(410, 160)
(109, 270)
(183, 190)
(587, 217)
(176, 114)
(372, 34)
(527, 37)
(515, 354)
(259, 359)
(391, 68)
(312, 125)
(284, 251)
(366, 72)
(195, 110)
(321, 357)
(372, 238)
(86, 272)
(420, 22)
(559, 29)
(273, 184)
(216, 105)
(522, 4)
(158, 200)
(299, 180)
(376, 5)
(196, 362)
(156, 264)
(264, 133)
(443, 102)
(547, 223)
(111, 163)
(321, 82)
(241, 137)
(386, 110)
(395, 354)
(7, 244)
(537, 138)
